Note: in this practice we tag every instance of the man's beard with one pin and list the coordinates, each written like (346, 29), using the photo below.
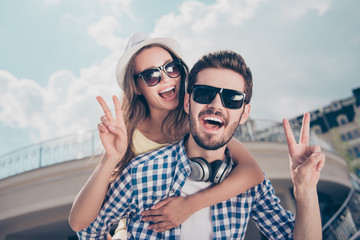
(206, 142)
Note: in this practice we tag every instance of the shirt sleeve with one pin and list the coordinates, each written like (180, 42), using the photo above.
(117, 204)
(271, 218)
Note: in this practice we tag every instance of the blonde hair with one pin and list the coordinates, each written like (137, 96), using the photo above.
(135, 109)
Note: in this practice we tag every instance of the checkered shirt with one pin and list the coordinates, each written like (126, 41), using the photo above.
(156, 175)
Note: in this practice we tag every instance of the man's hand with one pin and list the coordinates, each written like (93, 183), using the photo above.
(306, 161)
(168, 213)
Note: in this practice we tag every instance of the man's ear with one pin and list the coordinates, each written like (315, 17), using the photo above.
(187, 103)
(245, 114)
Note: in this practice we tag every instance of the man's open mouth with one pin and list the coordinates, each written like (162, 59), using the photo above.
(213, 122)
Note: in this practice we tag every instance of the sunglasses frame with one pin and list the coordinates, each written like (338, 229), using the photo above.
(163, 67)
(219, 91)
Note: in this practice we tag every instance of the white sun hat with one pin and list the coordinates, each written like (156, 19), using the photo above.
(135, 43)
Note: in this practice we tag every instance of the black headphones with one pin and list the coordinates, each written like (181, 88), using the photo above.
(216, 171)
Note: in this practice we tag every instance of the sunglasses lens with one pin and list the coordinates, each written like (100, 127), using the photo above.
(173, 69)
(151, 76)
(204, 95)
(232, 99)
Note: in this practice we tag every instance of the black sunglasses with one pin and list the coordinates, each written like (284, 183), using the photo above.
(231, 99)
(152, 76)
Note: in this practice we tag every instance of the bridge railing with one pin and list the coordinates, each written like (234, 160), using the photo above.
(50, 152)
(87, 144)
(345, 223)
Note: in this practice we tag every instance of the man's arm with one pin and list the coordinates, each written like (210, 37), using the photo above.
(306, 163)
(271, 218)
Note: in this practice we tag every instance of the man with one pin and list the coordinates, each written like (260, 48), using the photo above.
(217, 101)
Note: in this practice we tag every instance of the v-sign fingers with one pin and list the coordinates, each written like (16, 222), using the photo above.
(105, 108)
(119, 115)
(305, 130)
(289, 136)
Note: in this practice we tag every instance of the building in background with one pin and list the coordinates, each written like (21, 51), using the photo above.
(339, 124)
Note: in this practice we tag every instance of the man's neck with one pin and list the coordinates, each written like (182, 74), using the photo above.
(193, 150)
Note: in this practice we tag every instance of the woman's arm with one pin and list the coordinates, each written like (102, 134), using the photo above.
(173, 211)
(88, 201)
(113, 136)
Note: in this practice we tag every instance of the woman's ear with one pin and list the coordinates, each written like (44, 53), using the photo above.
(186, 102)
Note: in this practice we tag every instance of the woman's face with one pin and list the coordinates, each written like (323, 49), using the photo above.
(164, 95)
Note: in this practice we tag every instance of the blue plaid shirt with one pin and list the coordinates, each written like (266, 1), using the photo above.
(156, 175)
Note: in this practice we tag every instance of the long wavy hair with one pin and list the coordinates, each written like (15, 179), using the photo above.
(135, 109)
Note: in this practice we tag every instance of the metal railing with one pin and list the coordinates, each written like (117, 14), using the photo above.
(50, 152)
(84, 145)
(270, 131)
(345, 223)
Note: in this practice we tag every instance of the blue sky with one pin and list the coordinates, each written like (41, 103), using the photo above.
(57, 55)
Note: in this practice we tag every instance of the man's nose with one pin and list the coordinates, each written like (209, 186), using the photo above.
(216, 103)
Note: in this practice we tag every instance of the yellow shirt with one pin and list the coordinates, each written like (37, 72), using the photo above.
(142, 144)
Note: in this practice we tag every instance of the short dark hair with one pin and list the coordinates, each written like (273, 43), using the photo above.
(224, 59)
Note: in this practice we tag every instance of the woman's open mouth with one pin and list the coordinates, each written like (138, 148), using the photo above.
(168, 94)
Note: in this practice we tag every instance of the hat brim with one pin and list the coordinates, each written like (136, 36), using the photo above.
(123, 62)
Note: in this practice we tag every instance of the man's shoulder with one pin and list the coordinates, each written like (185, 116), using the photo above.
(259, 189)
(265, 188)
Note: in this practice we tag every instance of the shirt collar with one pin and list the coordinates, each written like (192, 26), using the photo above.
(184, 160)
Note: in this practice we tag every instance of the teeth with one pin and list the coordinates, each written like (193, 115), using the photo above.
(213, 119)
(167, 89)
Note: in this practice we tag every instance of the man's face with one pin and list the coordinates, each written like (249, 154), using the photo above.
(212, 125)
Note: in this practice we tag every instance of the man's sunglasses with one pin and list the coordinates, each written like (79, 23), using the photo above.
(231, 99)
(152, 76)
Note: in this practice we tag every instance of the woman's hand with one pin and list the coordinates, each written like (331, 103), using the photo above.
(112, 130)
(168, 213)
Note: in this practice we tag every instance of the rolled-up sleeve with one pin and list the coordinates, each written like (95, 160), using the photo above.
(271, 218)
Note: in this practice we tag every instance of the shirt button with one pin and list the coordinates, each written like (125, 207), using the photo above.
(172, 192)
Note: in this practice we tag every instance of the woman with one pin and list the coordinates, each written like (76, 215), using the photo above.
(152, 76)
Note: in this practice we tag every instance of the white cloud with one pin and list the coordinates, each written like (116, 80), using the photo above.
(198, 17)
(119, 7)
(298, 8)
(104, 32)
(199, 27)
(52, 2)
(67, 105)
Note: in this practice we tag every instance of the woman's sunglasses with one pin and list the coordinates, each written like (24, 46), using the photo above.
(152, 76)
(231, 99)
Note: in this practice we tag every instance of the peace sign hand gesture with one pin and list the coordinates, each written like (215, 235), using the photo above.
(112, 131)
(306, 161)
